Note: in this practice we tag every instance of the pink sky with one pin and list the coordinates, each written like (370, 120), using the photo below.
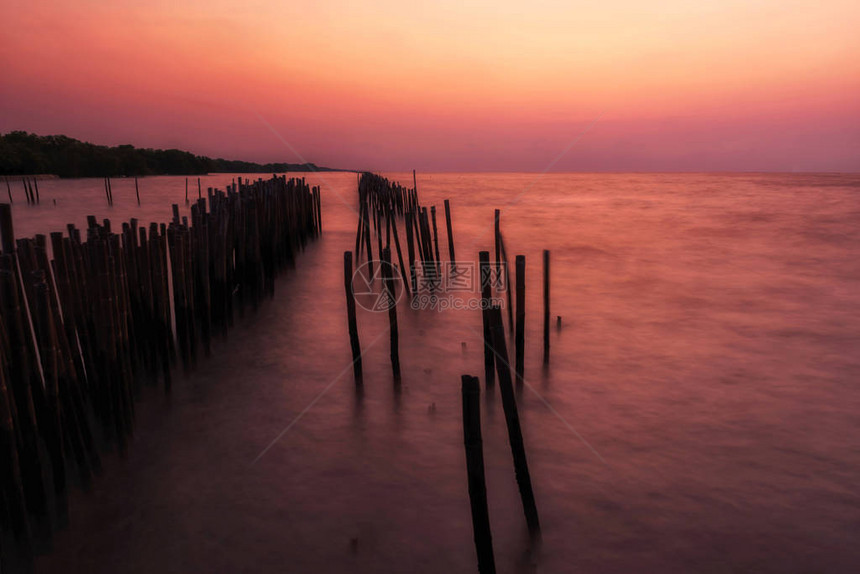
(450, 85)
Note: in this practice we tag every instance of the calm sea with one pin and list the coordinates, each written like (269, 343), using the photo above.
(701, 411)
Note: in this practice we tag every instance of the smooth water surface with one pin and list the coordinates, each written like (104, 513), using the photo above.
(699, 414)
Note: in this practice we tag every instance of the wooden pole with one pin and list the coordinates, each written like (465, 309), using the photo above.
(350, 313)
(471, 390)
(486, 294)
(7, 232)
(393, 222)
(36, 186)
(367, 241)
(388, 281)
(521, 317)
(410, 247)
(50, 420)
(359, 231)
(137, 191)
(507, 271)
(378, 220)
(546, 306)
(9, 190)
(498, 238)
(450, 232)
(25, 382)
(10, 472)
(435, 239)
(515, 435)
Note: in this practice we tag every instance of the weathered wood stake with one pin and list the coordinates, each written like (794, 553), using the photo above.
(486, 294)
(515, 435)
(450, 232)
(507, 271)
(388, 280)
(471, 390)
(546, 306)
(521, 316)
(350, 313)
(435, 239)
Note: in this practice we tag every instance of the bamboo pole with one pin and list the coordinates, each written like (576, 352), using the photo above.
(450, 233)
(393, 223)
(546, 307)
(388, 280)
(354, 342)
(508, 289)
(435, 239)
(521, 317)
(410, 247)
(486, 294)
(471, 391)
(11, 484)
(515, 436)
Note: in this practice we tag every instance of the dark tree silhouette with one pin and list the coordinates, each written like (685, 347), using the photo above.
(22, 153)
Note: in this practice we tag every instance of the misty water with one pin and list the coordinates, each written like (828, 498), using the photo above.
(699, 413)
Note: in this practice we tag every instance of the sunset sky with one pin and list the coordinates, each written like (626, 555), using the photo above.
(451, 85)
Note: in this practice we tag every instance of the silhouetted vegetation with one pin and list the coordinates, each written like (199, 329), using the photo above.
(25, 153)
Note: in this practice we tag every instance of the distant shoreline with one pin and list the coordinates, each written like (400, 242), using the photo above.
(49, 176)
(23, 153)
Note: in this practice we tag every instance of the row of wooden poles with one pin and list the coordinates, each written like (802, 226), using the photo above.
(109, 191)
(31, 190)
(475, 451)
(83, 331)
(381, 202)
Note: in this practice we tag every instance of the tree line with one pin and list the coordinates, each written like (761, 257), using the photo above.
(23, 153)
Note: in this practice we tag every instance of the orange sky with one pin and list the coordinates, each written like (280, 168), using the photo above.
(451, 85)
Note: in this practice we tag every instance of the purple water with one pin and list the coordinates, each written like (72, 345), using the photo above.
(700, 412)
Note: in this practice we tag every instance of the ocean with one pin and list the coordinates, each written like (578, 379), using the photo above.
(700, 412)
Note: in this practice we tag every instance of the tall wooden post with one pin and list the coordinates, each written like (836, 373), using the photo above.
(471, 390)
(388, 285)
(521, 317)
(515, 435)
(450, 232)
(350, 313)
(546, 306)
(486, 294)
